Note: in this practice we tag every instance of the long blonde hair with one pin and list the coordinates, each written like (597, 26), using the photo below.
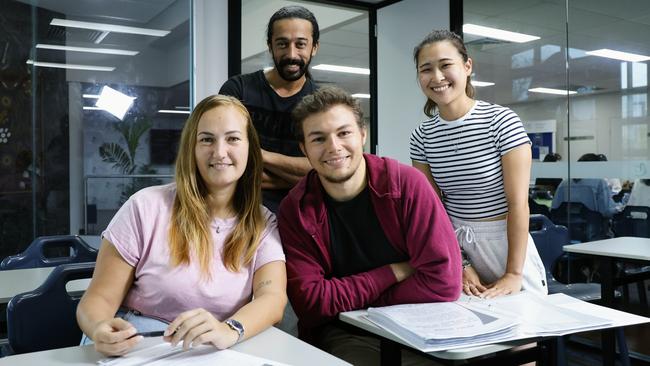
(189, 232)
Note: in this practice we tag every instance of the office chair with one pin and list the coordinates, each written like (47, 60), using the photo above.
(46, 317)
(584, 224)
(549, 240)
(35, 254)
(633, 221)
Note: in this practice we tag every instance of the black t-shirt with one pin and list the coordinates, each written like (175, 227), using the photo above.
(358, 242)
(270, 112)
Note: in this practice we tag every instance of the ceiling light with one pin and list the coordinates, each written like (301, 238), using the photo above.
(90, 96)
(552, 91)
(107, 51)
(348, 69)
(181, 107)
(70, 66)
(109, 27)
(173, 111)
(479, 30)
(361, 95)
(114, 102)
(88, 108)
(619, 55)
(481, 83)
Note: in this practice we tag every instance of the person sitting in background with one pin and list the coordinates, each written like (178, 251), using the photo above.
(549, 184)
(201, 254)
(593, 193)
(640, 194)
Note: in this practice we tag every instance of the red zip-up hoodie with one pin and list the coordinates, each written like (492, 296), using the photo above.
(414, 222)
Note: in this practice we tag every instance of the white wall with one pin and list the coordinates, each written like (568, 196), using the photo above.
(399, 28)
(210, 47)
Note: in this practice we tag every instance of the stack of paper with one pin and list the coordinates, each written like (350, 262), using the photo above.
(438, 326)
(537, 315)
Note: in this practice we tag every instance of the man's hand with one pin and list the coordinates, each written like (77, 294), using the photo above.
(402, 270)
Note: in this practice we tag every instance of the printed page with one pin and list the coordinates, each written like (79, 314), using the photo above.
(537, 316)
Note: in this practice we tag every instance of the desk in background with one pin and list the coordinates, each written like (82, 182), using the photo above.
(272, 344)
(607, 252)
(17, 281)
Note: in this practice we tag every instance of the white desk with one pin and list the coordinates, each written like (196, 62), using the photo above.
(625, 247)
(16, 281)
(272, 344)
(93, 240)
(607, 252)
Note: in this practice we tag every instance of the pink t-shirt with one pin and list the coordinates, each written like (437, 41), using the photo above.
(140, 231)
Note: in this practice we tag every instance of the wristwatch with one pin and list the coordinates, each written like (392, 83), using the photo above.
(466, 263)
(237, 327)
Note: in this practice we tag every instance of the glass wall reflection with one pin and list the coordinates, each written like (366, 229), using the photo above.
(86, 89)
(583, 98)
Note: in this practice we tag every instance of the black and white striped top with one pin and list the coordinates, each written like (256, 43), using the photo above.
(465, 158)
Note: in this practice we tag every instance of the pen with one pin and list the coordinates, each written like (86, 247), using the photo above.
(157, 333)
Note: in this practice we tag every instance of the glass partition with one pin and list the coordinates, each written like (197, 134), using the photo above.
(86, 89)
(343, 42)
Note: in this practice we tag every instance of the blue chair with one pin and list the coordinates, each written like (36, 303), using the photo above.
(549, 240)
(585, 224)
(46, 317)
(34, 256)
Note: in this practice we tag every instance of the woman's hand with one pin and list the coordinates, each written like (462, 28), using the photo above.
(199, 326)
(510, 283)
(471, 282)
(113, 337)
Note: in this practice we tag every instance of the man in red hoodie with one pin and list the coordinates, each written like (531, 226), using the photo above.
(359, 230)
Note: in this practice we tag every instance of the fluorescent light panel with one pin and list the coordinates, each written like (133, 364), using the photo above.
(552, 91)
(109, 27)
(347, 69)
(361, 96)
(114, 102)
(88, 108)
(479, 30)
(90, 96)
(619, 55)
(107, 51)
(481, 83)
(175, 111)
(70, 66)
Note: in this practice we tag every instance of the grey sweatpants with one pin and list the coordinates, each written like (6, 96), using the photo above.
(486, 245)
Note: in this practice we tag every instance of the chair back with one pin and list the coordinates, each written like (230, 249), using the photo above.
(584, 224)
(46, 317)
(34, 256)
(549, 240)
(633, 221)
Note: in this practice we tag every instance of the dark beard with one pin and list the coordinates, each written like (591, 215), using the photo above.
(302, 68)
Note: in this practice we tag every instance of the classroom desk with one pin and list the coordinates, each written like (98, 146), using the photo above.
(390, 344)
(272, 344)
(93, 240)
(16, 281)
(607, 252)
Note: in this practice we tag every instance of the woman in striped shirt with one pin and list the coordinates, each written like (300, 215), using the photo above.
(477, 156)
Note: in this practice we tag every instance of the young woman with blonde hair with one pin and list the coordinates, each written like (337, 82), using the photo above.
(199, 258)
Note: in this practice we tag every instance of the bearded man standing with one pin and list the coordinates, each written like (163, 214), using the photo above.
(292, 40)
